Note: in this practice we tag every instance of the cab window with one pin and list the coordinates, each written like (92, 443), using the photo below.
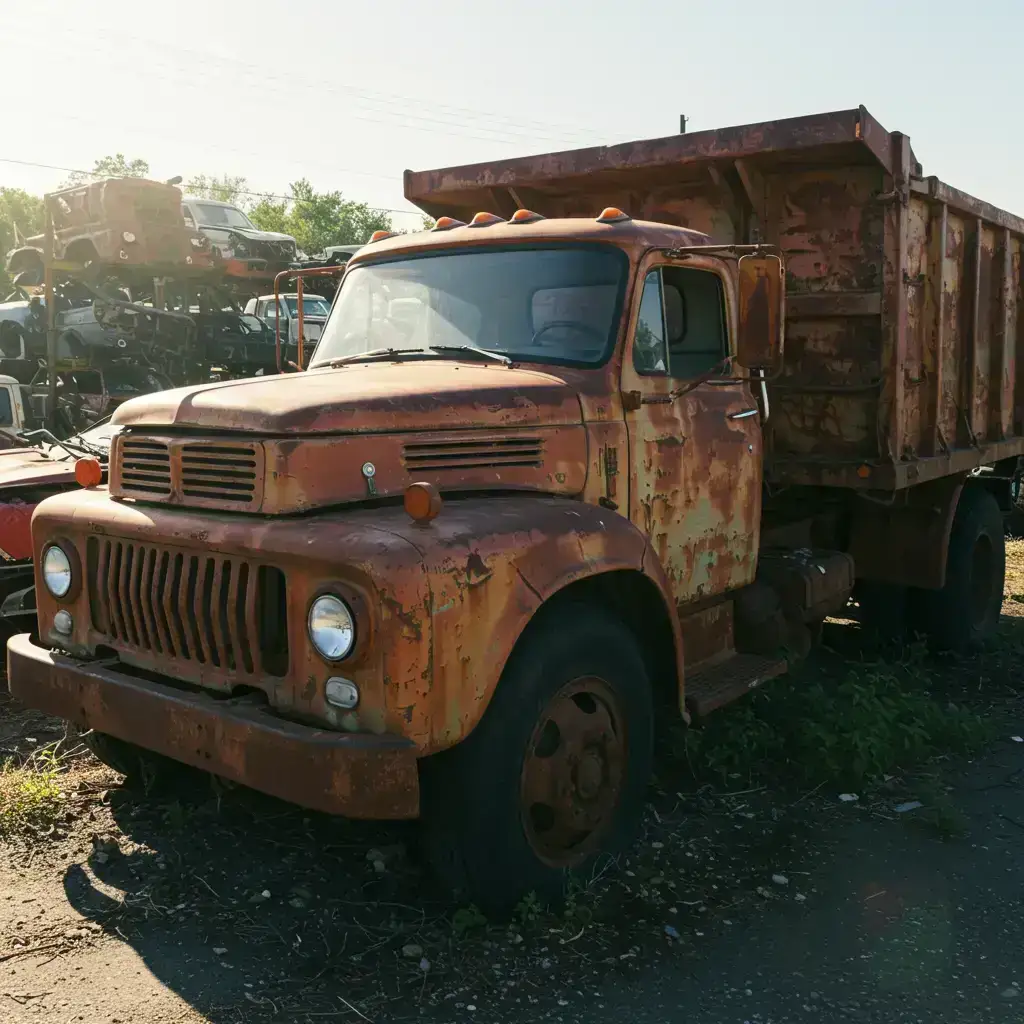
(681, 327)
(6, 411)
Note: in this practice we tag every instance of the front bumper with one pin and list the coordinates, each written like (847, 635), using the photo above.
(352, 774)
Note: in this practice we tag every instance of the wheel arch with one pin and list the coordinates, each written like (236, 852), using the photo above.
(489, 588)
(641, 604)
(81, 250)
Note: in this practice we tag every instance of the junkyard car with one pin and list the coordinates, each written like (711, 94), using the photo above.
(242, 248)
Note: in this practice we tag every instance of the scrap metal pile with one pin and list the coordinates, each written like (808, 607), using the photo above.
(133, 289)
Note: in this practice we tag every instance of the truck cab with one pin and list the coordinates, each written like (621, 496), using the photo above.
(548, 470)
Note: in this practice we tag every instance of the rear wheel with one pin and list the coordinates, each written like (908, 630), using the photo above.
(965, 612)
(554, 776)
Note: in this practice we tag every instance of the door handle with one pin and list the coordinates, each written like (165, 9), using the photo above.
(743, 414)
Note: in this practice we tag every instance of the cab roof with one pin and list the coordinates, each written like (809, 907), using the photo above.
(626, 234)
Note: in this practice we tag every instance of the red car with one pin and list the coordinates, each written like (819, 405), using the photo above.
(27, 476)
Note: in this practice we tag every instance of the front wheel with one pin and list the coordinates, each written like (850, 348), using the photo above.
(142, 769)
(554, 776)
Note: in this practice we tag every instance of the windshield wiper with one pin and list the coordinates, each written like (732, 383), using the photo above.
(395, 353)
(375, 353)
(498, 357)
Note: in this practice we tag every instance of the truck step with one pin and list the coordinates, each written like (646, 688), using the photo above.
(710, 688)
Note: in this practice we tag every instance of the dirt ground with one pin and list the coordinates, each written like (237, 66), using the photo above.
(740, 903)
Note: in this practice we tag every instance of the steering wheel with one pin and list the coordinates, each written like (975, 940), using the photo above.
(597, 335)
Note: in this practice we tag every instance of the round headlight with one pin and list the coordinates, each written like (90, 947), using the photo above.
(56, 571)
(332, 627)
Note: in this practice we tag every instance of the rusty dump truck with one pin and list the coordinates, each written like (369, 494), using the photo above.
(628, 424)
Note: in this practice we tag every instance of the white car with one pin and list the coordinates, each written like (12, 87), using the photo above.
(314, 315)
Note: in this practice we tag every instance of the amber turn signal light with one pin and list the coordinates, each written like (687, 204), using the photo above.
(379, 236)
(611, 214)
(422, 502)
(483, 219)
(447, 223)
(88, 472)
(524, 217)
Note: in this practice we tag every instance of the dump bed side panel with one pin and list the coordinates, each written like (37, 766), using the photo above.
(902, 325)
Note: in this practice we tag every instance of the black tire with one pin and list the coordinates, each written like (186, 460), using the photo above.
(480, 836)
(965, 612)
(142, 769)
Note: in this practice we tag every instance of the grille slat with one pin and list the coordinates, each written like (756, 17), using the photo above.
(145, 466)
(206, 473)
(219, 472)
(198, 608)
(250, 620)
(479, 453)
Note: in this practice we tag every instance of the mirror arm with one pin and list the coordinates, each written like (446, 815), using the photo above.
(764, 396)
(684, 251)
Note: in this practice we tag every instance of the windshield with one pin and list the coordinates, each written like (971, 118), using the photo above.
(312, 305)
(556, 305)
(253, 323)
(222, 216)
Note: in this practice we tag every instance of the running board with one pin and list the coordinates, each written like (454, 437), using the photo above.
(710, 688)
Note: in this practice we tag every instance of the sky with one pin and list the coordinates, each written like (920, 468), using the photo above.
(349, 93)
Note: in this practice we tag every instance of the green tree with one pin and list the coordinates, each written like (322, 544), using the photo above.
(21, 216)
(319, 219)
(115, 166)
(269, 215)
(228, 188)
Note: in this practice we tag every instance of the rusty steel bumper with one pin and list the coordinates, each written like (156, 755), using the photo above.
(356, 775)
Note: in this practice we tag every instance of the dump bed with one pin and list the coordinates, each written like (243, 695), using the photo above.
(903, 294)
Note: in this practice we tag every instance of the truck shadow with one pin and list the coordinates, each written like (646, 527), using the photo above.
(251, 909)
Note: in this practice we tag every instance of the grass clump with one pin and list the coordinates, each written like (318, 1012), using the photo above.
(31, 799)
(848, 731)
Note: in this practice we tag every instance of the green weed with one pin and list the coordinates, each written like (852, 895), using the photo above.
(814, 730)
(467, 919)
(528, 910)
(30, 794)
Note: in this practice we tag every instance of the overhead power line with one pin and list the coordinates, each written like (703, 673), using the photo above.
(236, 191)
(211, 63)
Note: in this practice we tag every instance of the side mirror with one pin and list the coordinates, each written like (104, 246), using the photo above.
(762, 295)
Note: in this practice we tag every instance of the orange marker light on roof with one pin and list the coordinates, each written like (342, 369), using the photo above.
(447, 223)
(611, 214)
(88, 472)
(484, 219)
(422, 502)
(524, 217)
(379, 236)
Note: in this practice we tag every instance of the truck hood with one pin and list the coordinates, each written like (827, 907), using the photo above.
(364, 399)
(29, 467)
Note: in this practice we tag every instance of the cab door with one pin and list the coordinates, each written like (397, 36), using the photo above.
(695, 449)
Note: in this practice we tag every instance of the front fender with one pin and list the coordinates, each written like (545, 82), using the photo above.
(491, 563)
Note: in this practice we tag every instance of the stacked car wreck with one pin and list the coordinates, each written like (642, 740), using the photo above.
(131, 277)
(552, 462)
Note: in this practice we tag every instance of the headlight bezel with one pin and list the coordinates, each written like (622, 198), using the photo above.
(70, 553)
(331, 595)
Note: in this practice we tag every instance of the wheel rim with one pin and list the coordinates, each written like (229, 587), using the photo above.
(982, 579)
(573, 772)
